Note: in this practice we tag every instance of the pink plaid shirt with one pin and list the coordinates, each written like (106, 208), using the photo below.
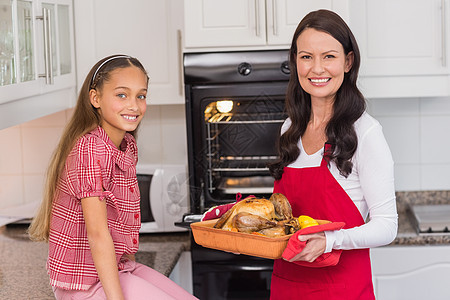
(94, 168)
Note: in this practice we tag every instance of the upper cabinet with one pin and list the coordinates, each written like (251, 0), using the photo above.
(404, 46)
(248, 23)
(149, 30)
(37, 59)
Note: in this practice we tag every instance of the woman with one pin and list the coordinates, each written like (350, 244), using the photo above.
(334, 164)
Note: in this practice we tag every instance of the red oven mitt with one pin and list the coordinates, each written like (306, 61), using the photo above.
(216, 212)
(295, 246)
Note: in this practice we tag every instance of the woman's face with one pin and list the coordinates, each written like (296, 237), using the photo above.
(321, 64)
(121, 101)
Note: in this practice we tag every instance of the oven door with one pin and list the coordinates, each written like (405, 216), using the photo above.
(229, 151)
(219, 275)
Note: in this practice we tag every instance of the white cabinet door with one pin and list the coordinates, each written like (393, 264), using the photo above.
(59, 43)
(37, 59)
(246, 23)
(411, 272)
(218, 23)
(149, 30)
(283, 16)
(401, 37)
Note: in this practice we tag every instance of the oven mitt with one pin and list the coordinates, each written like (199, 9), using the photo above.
(295, 246)
(216, 212)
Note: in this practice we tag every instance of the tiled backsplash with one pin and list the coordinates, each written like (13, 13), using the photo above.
(416, 130)
(27, 148)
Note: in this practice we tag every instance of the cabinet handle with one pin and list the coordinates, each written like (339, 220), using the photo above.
(50, 46)
(180, 62)
(274, 17)
(257, 17)
(48, 63)
(444, 33)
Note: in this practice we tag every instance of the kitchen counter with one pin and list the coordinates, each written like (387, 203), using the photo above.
(161, 251)
(407, 234)
(22, 262)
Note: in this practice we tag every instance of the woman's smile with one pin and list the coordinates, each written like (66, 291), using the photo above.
(319, 81)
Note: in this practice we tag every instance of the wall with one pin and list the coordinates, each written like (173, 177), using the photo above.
(27, 148)
(416, 130)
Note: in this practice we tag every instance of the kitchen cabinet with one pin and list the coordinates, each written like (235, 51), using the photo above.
(404, 46)
(411, 272)
(149, 30)
(248, 23)
(182, 272)
(37, 59)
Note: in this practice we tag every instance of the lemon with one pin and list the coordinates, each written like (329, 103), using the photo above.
(306, 221)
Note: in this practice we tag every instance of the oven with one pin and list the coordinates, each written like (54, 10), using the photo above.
(234, 112)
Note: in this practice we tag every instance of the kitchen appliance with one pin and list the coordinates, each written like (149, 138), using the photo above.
(164, 199)
(431, 219)
(234, 112)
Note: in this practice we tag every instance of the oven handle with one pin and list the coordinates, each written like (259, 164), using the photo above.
(209, 267)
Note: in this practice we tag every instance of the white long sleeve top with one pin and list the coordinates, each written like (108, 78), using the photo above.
(370, 186)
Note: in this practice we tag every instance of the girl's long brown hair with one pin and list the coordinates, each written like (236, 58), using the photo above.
(348, 106)
(85, 118)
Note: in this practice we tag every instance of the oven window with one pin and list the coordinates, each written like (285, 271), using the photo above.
(144, 182)
(241, 136)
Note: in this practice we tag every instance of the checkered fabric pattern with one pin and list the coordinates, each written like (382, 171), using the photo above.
(94, 168)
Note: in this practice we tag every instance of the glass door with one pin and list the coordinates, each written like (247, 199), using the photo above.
(65, 53)
(25, 29)
(7, 70)
(16, 42)
(58, 57)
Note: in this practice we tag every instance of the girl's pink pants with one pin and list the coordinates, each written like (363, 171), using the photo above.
(137, 281)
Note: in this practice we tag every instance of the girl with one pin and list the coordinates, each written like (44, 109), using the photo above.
(90, 215)
(334, 164)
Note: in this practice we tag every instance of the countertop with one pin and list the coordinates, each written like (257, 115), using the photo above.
(22, 262)
(407, 234)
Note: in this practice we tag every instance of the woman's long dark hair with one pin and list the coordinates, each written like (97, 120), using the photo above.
(348, 106)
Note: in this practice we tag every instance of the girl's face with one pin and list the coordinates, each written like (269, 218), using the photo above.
(321, 64)
(121, 101)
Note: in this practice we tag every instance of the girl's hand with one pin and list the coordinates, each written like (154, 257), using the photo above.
(315, 247)
(129, 256)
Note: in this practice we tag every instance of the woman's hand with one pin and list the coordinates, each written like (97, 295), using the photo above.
(315, 247)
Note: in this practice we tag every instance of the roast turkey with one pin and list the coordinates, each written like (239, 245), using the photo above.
(271, 217)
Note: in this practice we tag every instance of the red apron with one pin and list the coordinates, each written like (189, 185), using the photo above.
(316, 193)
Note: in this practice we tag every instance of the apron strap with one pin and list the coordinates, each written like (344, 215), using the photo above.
(327, 151)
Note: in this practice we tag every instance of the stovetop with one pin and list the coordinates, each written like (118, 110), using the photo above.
(432, 219)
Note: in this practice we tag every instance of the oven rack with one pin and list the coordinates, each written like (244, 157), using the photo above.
(246, 118)
(239, 167)
(247, 185)
(243, 163)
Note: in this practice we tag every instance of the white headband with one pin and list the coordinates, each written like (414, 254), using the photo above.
(103, 63)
